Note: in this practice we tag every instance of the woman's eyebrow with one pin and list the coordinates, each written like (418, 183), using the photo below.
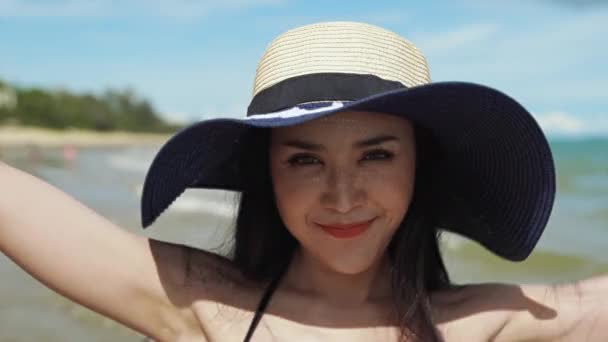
(306, 145)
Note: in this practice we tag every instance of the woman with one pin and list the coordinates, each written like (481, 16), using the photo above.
(349, 163)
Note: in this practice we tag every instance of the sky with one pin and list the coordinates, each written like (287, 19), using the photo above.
(196, 59)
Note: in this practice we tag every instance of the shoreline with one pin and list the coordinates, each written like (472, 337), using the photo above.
(23, 136)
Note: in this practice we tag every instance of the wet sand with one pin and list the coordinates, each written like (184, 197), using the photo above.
(15, 136)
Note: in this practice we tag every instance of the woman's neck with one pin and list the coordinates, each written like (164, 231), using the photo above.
(306, 274)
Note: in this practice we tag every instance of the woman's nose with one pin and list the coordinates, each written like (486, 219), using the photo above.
(343, 192)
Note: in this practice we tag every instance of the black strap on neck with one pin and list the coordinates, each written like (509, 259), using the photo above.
(264, 303)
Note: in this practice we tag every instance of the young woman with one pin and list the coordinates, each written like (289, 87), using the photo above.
(349, 164)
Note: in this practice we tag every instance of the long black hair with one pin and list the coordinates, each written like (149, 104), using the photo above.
(263, 246)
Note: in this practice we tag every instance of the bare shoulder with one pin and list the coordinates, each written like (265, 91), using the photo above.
(483, 296)
(474, 312)
(568, 311)
(514, 312)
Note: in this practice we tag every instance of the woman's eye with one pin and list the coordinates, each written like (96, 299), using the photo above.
(378, 155)
(302, 160)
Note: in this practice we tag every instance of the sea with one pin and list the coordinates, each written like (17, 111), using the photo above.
(109, 180)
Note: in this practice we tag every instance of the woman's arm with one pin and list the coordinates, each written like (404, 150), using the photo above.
(568, 312)
(88, 259)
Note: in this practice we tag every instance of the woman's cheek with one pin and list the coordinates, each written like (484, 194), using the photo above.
(294, 196)
(391, 188)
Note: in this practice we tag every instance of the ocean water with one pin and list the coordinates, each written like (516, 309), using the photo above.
(109, 180)
(573, 245)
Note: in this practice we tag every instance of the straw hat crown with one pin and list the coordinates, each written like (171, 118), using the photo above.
(341, 47)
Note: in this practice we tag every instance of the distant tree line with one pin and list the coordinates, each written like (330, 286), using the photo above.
(60, 109)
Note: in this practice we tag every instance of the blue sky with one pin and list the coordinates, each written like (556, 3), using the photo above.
(197, 59)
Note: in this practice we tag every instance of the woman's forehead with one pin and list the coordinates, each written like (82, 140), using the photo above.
(348, 123)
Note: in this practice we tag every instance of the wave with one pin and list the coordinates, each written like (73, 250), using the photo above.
(210, 202)
(131, 160)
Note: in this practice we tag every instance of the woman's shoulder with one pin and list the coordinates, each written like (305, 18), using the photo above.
(475, 310)
(474, 294)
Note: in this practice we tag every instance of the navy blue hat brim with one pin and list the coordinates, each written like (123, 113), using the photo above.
(498, 186)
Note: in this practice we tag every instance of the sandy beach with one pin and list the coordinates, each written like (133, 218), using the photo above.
(17, 136)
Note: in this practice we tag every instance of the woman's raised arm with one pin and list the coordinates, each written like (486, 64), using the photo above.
(85, 257)
(566, 312)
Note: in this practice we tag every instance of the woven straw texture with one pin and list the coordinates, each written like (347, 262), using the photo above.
(341, 47)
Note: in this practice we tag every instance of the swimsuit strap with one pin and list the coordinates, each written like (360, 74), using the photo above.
(263, 304)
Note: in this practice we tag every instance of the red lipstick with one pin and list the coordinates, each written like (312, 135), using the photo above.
(346, 231)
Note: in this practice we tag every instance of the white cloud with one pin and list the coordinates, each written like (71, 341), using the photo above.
(384, 17)
(197, 8)
(559, 60)
(455, 39)
(579, 3)
(559, 123)
(211, 111)
(66, 8)
(116, 8)
(579, 90)
(177, 117)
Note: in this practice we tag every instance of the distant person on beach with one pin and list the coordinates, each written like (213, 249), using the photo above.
(348, 164)
(34, 155)
(69, 154)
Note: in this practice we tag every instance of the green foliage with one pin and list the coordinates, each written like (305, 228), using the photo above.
(59, 109)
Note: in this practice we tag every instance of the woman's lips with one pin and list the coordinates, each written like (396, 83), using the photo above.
(346, 231)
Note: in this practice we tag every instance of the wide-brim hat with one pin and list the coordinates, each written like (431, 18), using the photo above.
(497, 171)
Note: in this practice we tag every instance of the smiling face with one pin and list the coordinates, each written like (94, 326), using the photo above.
(346, 168)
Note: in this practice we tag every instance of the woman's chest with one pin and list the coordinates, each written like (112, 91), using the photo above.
(291, 317)
(221, 322)
(225, 323)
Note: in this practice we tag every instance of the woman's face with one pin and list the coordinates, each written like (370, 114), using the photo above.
(346, 168)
